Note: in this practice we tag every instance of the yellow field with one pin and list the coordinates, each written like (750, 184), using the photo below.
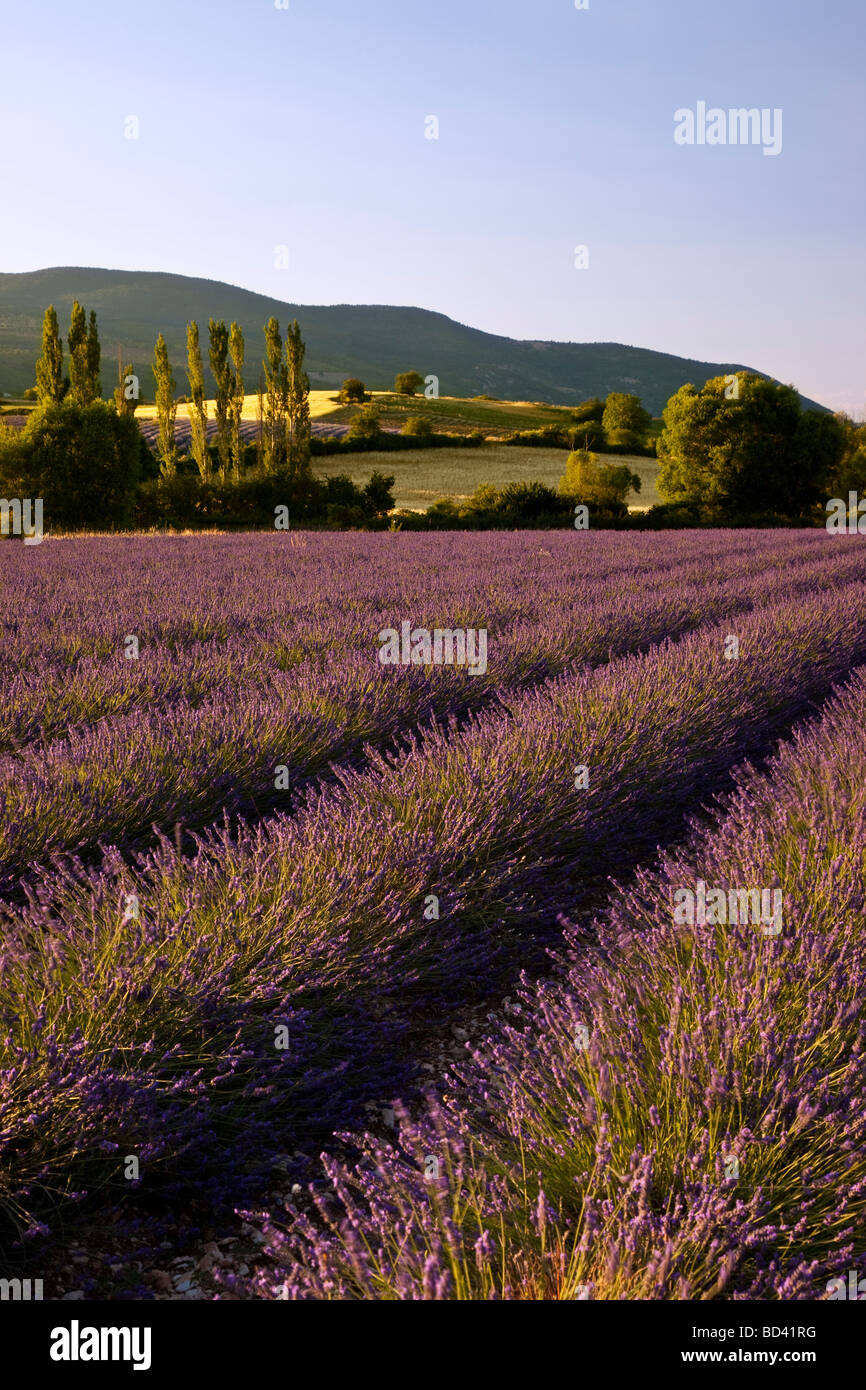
(423, 476)
(322, 403)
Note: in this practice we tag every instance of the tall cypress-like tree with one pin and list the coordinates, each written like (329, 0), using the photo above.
(298, 403)
(166, 408)
(79, 365)
(260, 420)
(49, 368)
(236, 348)
(198, 407)
(276, 399)
(124, 404)
(219, 365)
(94, 385)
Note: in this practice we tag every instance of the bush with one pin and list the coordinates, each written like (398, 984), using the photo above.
(418, 427)
(405, 520)
(378, 494)
(606, 486)
(484, 500)
(592, 409)
(407, 383)
(588, 434)
(366, 428)
(548, 437)
(625, 422)
(444, 515)
(530, 502)
(185, 501)
(353, 389)
(83, 461)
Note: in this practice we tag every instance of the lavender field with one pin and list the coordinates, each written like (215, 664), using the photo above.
(384, 974)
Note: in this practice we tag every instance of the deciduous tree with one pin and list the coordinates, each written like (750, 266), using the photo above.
(407, 383)
(625, 421)
(748, 451)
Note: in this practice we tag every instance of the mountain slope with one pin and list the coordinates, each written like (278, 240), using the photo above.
(370, 341)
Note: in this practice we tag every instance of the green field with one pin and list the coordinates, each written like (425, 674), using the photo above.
(423, 476)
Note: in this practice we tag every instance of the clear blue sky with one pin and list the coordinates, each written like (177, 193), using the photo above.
(305, 127)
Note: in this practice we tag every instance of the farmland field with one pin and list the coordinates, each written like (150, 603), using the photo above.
(266, 896)
(424, 476)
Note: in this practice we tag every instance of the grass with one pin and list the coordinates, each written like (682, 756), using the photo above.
(423, 476)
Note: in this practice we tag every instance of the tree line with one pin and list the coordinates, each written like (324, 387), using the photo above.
(739, 450)
(283, 392)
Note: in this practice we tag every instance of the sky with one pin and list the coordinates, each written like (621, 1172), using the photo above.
(288, 150)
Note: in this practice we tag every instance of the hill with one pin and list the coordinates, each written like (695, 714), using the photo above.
(372, 341)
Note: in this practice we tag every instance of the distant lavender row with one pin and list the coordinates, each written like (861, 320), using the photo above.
(156, 1035)
(194, 760)
(208, 724)
(680, 1116)
(73, 599)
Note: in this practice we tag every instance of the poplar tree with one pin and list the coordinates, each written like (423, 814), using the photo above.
(298, 403)
(260, 420)
(123, 404)
(49, 368)
(79, 366)
(198, 407)
(94, 353)
(219, 365)
(276, 398)
(166, 408)
(236, 348)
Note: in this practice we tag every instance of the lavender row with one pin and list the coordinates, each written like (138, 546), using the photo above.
(239, 751)
(248, 751)
(241, 612)
(680, 1115)
(261, 991)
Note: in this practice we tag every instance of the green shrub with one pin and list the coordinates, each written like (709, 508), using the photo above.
(592, 409)
(353, 389)
(531, 502)
(366, 428)
(606, 486)
(548, 437)
(407, 383)
(83, 461)
(588, 434)
(418, 427)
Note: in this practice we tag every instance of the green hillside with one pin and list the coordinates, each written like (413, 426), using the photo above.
(370, 341)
